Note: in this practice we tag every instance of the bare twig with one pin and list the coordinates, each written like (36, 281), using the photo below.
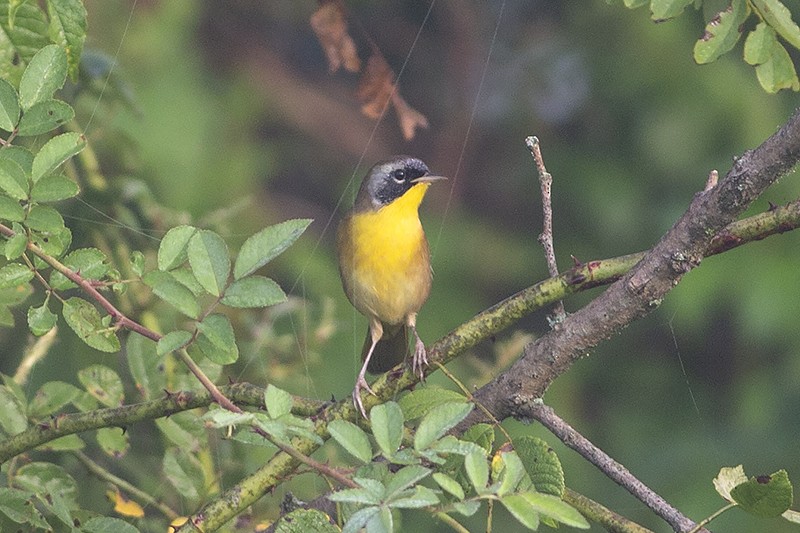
(614, 470)
(546, 237)
(711, 182)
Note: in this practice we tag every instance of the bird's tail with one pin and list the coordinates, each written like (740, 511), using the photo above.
(390, 350)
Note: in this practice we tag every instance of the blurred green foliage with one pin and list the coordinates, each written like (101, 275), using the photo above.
(234, 122)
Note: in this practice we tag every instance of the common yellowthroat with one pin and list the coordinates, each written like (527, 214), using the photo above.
(385, 264)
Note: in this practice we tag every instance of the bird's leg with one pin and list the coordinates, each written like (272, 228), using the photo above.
(419, 360)
(375, 333)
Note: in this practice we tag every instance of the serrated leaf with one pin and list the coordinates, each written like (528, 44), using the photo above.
(14, 275)
(264, 246)
(44, 116)
(90, 263)
(511, 473)
(277, 401)
(11, 211)
(306, 521)
(253, 291)
(437, 422)
(41, 319)
(44, 75)
(68, 29)
(185, 473)
(352, 438)
(477, 470)
(174, 293)
(48, 478)
(103, 524)
(722, 32)
(542, 465)
(16, 245)
(9, 106)
(480, 434)
(416, 498)
(172, 250)
(54, 187)
(12, 413)
(387, 427)
(362, 496)
(13, 180)
(667, 9)
(172, 341)
(217, 340)
(521, 510)
(208, 256)
(21, 156)
(184, 276)
(405, 478)
(45, 219)
(55, 152)
(420, 402)
(52, 243)
(467, 508)
(759, 43)
(449, 485)
(765, 496)
(778, 71)
(51, 397)
(26, 36)
(555, 508)
(779, 17)
(360, 519)
(103, 384)
(86, 322)
(113, 441)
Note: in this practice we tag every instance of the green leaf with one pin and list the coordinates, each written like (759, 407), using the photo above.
(11, 211)
(185, 277)
(759, 43)
(13, 180)
(208, 256)
(44, 75)
(555, 508)
(437, 422)
(113, 441)
(351, 438)
(41, 319)
(26, 36)
(184, 430)
(9, 106)
(420, 402)
(18, 505)
(14, 275)
(45, 116)
(168, 289)
(172, 250)
(54, 187)
(264, 246)
(185, 473)
(779, 17)
(90, 263)
(146, 367)
(51, 397)
(253, 291)
(85, 321)
(405, 478)
(55, 152)
(765, 496)
(21, 156)
(477, 470)
(416, 498)
(52, 243)
(722, 32)
(47, 478)
(778, 72)
(468, 508)
(102, 383)
(480, 434)
(542, 465)
(12, 412)
(66, 443)
(306, 521)
(360, 519)
(6, 317)
(278, 401)
(172, 341)
(217, 340)
(362, 496)
(45, 219)
(387, 427)
(103, 524)
(68, 29)
(511, 474)
(520, 509)
(449, 485)
(667, 9)
(16, 245)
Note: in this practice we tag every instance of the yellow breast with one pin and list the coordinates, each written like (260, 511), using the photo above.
(384, 259)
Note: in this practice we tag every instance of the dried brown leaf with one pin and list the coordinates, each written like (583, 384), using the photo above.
(330, 25)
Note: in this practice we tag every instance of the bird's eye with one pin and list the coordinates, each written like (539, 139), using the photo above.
(399, 175)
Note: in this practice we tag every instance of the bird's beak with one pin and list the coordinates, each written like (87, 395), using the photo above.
(428, 179)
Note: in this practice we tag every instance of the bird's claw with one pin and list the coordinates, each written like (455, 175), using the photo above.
(420, 359)
(361, 383)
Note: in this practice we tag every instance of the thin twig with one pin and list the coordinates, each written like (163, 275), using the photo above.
(614, 470)
(34, 354)
(546, 237)
(595, 512)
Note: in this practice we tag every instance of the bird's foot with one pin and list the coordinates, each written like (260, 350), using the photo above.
(361, 384)
(420, 359)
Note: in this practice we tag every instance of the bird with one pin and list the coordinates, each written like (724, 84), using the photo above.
(384, 263)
